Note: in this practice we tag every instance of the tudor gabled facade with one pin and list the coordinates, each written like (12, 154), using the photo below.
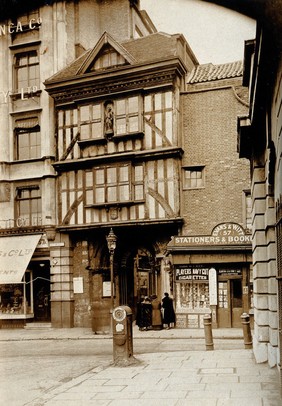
(118, 154)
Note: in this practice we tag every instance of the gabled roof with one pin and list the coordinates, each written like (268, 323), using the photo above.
(106, 39)
(154, 47)
(209, 72)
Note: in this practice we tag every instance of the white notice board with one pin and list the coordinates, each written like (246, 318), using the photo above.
(78, 285)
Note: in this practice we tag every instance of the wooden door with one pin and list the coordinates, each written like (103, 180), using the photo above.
(224, 313)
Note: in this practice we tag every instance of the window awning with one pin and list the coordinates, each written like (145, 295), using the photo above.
(27, 123)
(15, 255)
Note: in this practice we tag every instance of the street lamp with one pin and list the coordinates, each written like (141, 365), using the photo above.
(112, 242)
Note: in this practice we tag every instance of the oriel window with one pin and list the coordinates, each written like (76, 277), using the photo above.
(112, 184)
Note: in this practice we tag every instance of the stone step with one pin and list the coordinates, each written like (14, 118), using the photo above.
(37, 325)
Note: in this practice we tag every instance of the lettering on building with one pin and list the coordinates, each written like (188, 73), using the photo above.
(191, 272)
(222, 234)
(23, 92)
(14, 28)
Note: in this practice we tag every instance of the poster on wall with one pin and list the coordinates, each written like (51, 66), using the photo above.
(107, 289)
(212, 287)
(189, 272)
(78, 285)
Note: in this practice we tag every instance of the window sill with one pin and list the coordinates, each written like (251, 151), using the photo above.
(118, 205)
(4, 316)
(107, 138)
(92, 141)
(194, 188)
(124, 137)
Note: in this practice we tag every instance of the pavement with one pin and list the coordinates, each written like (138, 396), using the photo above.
(172, 378)
(42, 332)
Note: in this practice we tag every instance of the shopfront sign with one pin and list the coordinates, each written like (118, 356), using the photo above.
(13, 28)
(189, 272)
(15, 255)
(230, 271)
(222, 234)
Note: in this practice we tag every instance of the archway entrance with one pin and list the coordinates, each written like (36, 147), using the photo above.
(138, 277)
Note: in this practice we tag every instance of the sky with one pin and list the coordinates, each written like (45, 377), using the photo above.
(215, 34)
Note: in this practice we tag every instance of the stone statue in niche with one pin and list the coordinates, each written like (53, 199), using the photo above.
(109, 118)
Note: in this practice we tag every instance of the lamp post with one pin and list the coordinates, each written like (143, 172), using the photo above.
(112, 242)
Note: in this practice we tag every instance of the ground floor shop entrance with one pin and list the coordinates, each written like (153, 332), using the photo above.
(212, 274)
(137, 263)
(198, 292)
(24, 281)
(41, 291)
(230, 303)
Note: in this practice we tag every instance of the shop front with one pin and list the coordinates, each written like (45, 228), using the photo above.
(212, 274)
(24, 280)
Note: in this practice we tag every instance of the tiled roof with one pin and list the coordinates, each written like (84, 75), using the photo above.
(209, 72)
(153, 47)
(70, 70)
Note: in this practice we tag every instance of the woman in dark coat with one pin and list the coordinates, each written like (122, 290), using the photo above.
(144, 315)
(169, 314)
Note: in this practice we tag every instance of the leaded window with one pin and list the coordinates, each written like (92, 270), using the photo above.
(114, 184)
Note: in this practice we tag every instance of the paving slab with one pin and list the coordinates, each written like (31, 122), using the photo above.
(159, 379)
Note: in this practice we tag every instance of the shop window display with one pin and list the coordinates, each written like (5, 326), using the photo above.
(193, 295)
(15, 299)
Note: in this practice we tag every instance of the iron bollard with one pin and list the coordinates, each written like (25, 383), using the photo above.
(245, 318)
(208, 332)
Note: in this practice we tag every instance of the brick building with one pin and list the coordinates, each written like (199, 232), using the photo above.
(215, 202)
(115, 126)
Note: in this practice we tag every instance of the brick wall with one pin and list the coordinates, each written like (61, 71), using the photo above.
(210, 139)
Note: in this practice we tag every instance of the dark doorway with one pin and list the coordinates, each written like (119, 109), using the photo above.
(136, 278)
(41, 291)
(236, 302)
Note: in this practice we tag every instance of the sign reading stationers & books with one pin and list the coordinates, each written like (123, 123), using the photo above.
(231, 234)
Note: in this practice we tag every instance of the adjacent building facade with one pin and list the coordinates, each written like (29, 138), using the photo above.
(259, 140)
(112, 125)
(212, 255)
